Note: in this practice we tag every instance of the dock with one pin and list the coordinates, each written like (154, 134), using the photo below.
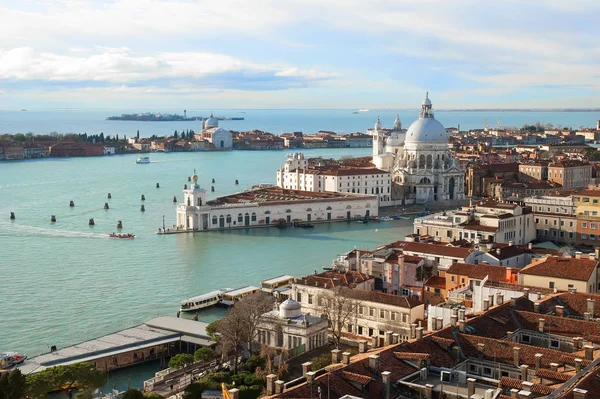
(158, 338)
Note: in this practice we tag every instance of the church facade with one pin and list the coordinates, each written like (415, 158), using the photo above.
(221, 139)
(423, 168)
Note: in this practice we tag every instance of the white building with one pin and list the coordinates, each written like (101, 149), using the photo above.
(291, 329)
(296, 174)
(221, 139)
(269, 206)
(423, 168)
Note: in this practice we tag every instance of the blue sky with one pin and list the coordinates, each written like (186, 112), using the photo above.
(298, 54)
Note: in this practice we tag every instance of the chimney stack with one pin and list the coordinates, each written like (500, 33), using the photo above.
(541, 324)
(559, 310)
(386, 378)
(461, 325)
(587, 316)
(486, 304)
(413, 331)
(306, 367)
(374, 341)
(536, 307)
(271, 384)
(510, 336)
(374, 363)
(554, 366)
(388, 338)
(527, 386)
(362, 346)
(589, 352)
(524, 368)
(310, 377)
(499, 298)
(578, 365)
(579, 393)
(538, 361)
(516, 358)
(590, 305)
(395, 338)
(234, 393)
(345, 358)
(419, 332)
(456, 352)
(335, 356)
(471, 387)
(513, 302)
(514, 393)
(279, 386)
(453, 320)
(461, 314)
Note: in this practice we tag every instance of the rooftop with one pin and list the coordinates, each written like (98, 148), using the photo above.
(276, 195)
(567, 268)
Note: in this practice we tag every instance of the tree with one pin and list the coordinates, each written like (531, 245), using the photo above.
(175, 135)
(339, 307)
(12, 385)
(204, 354)
(138, 134)
(133, 394)
(211, 329)
(153, 395)
(181, 360)
(83, 375)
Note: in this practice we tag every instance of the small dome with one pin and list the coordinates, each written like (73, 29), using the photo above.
(211, 122)
(427, 101)
(395, 140)
(378, 124)
(290, 309)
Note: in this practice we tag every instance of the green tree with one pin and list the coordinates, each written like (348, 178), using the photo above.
(175, 135)
(212, 329)
(153, 395)
(138, 134)
(133, 394)
(181, 360)
(204, 354)
(84, 376)
(194, 391)
(12, 385)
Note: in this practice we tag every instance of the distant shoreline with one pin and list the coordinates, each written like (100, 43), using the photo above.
(520, 110)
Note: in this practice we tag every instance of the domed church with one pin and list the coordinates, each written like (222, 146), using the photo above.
(423, 168)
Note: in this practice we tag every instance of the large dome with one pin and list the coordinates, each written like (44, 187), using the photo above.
(426, 131)
(211, 122)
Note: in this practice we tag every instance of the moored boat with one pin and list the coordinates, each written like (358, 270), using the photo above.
(203, 301)
(11, 359)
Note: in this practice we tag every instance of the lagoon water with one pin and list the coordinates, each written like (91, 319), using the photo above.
(67, 282)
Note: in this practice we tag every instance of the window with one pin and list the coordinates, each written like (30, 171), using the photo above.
(584, 225)
(361, 309)
(584, 236)
(214, 220)
(253, 217)
(452, 278)
(473, 368)
(462, 280)
(586, 200)
(487, 371)
(310, 299)
(360, 330)
(525, 338)
(393, 316)
(298, 297)
(593, 236)
(551, 284)
(371, 311)
(240, 218)
(554, 343)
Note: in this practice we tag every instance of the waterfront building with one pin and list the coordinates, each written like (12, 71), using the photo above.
(221, 139)
(269, 206)
(297, 174)
(423, 168)
(555, 217)
(374, 313)
(485, 221)
(289, 328)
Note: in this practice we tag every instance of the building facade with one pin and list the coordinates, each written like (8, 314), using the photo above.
(555, 218)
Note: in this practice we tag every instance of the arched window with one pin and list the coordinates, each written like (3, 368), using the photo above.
(348, 207)
(425, 180)
(377, 190)
(267, 212)
(214, 220)
(228, 219)
(253, 216)
(221, 217)
(429, 160)
(222, 144)
(353, 190)
(422, 161)
(288, 211)
(240, 218)
(328, 208)
(308, 209)
(368, 206)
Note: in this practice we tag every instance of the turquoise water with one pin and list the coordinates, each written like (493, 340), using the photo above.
(66, 282)
(274, 121)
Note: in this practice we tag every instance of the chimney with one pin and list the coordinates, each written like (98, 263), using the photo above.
(461, 314)
(306, 367)
(271, 384)
(516, 359)
(374, 341)
(536, 307)
(514, 393)
(310, 377)
(395, 338)
(362, 346)
(440, 323)
(579, 393)
(374, 363)
(499, 298)
(486, 304)
(524, 368)
(578, 365)
(480, 348)
(279, 386)
(386, 378)
(335, 356)
(590, 305)
(461, 325)
(345, 358)
(587, 316)
(527, 386)
(530, 246)
(578, 255)
(497, 251)
(589, 352)
(513, 302)
(541, 324)
(471, 387)
(428, 391)
(234, 393)
(559, 310)
(456, 352)
(453, 320)
(554, 366)
(419, 332)
(491, 300)
(510, 243)
(538, 361)
(388, 338)
(413, 330)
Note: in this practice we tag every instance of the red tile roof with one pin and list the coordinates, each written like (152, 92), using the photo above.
(553, 375)
(388, 299)
(479, 271)
(567, 268)
(330, 279)
(432, 249)
(589, 382)
(518, 384)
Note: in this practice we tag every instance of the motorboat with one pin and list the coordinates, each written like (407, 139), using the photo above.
(142, 160)
(11, 359)
(203, 301)
(127, 236)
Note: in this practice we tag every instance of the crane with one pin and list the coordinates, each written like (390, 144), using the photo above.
(485, 125)
(499, 124)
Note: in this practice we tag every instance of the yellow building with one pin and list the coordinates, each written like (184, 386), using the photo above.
(587, 211)
(562, 274)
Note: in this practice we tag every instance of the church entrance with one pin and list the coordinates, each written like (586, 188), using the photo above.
(221, 221)
(222, 144)
(451, 188)
(247, 220)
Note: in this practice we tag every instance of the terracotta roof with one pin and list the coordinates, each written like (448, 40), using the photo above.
(476, 225)
(590, 382)
(567, 268)
(479, 271)
(411, 356)
(388, 299)
(436, 282)
(432, 249)
(330, 279)
(588, 192)
(553, 375)
(576, 304)
(518, 384)
(361, 379)
(412, 259)
(557, 325)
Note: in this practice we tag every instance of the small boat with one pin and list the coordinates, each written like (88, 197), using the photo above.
(403, 217)
(364, 110)
(305, 225)
(142, 160)
(203, 301)
(386, 219)
(362, 221)
(11, 359)
(123, 236)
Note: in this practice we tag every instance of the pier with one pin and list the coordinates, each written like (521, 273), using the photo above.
(158, 338)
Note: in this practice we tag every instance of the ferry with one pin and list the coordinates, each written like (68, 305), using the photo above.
(230, 297)
(11, 359)
(203, 301)
(142, 160)
(281, 283)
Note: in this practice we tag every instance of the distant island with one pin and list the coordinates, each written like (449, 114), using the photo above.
(150, 117)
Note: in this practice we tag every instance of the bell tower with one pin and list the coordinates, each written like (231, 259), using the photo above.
(194, 196)
(378, 138)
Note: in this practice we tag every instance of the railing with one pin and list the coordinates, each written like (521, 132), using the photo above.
(297, 351)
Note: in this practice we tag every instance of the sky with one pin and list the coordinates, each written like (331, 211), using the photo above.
(153, 54)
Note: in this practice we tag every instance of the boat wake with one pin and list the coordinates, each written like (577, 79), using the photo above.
(19, 229)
